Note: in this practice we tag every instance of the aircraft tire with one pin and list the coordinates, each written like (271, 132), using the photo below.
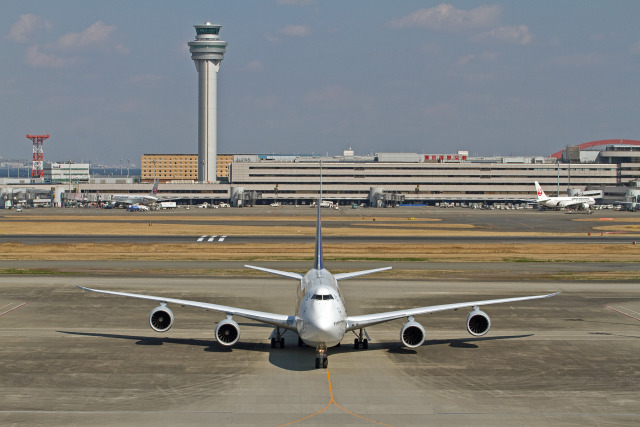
(365, 344)
(317, 362)
(273, 343)
(325, 363)
(281, 342)
(356, 344)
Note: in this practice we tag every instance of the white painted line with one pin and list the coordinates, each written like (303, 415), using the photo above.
(222, 239)
(14, 308)
(622, 312)
(212, 238)
(201, 238)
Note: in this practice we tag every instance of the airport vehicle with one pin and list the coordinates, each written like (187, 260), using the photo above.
(137, 199)
(138, 208)
(578, 202)
(320, 318)
(168, 205)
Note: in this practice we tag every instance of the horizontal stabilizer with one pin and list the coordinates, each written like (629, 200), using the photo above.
(289, 274)
(341, 276)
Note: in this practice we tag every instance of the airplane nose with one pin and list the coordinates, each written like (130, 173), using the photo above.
(323, 325)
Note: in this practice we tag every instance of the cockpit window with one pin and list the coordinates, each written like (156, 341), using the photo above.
(322, 297)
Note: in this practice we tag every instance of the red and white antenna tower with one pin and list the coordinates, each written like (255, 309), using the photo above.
(38, 164)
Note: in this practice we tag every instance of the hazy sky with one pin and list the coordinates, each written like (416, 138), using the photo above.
(114, 79)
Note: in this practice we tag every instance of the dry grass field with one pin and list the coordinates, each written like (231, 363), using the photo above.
(444, 253)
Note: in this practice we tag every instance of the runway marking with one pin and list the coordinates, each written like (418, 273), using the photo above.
(332, 401)
(623, 313)
(211, 238)
(11, 309)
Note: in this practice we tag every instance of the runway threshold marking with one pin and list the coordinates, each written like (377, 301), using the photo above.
(333, 402)
(623, 312)
(12, 309)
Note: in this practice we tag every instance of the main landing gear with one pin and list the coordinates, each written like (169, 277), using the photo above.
(277, 338)
(361, 341)
(321, 357)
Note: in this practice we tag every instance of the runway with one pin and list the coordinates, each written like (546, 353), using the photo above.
(76, 358)
(287, 239)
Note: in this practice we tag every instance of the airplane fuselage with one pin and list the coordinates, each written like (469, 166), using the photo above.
(321, 317)
(561, 202)
(132, 199)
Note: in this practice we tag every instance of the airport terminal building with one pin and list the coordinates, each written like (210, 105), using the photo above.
(379, 180)
(389, 179)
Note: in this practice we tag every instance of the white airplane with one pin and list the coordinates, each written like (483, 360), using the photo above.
(320, 318)
(137, 199)
(579, 202)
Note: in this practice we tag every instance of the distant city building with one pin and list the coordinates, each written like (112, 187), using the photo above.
(169, 167)
(223, 165)
(179, 168)
(65, 172)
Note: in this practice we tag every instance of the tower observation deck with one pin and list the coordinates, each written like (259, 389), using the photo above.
(207, 51)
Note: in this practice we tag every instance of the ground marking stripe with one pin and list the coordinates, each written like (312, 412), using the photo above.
(211, 238)
(332, 401)
(14, 308)
(622, 312)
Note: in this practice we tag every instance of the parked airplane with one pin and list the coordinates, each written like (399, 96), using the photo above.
(320, 318)
(137, 199)
(578, 202)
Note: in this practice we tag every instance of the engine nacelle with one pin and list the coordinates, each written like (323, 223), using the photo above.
(227, 332)
(161, 319)
(585, 206)
(412, 334)
(478, 323)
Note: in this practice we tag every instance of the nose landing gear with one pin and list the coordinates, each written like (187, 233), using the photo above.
(321, 357)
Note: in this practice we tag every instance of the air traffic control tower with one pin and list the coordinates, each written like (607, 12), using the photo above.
(207, 51)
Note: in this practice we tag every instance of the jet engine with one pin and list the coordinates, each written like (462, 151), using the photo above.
(585, 206)
(227, 332)
(161, 319)
(478, 323)
(412, 334)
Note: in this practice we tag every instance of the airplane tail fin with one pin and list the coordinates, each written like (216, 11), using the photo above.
(540, 191)
(318, 264)
(154, 190)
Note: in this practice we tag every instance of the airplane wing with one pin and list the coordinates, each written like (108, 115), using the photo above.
(357, 322)
(289, 274)
(281, 320)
